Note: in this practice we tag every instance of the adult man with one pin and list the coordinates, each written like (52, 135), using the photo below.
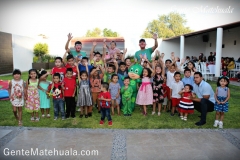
(205, 97)
(211, 57)
(78, 46)
(143, 52)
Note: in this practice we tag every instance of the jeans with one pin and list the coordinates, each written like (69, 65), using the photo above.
(70, 106)
(105, 112)
(203, 107)
(58, 106)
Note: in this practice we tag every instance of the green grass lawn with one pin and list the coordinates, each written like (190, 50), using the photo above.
(136, 121)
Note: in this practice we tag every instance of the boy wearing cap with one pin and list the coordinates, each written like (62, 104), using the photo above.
(146, 52)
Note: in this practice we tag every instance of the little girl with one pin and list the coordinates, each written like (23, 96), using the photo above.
(222, 95)
(158, 89)
(32, 96)
(95, 81)
(84, 95)
(186, 104)
(16, 91)
(113, 50)
(225, 71)
(165, 98)
(114, 88)
(191, 66)
(43, 94)
(145, 92)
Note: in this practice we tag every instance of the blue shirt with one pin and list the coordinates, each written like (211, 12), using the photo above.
(83, 68)
(189, 80)
(121, 78)
(204, 89)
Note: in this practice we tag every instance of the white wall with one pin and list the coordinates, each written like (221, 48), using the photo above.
(169, 46)
(22, 52)
(194, 46)
(230, 49)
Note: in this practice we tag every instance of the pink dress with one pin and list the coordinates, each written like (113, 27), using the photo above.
(145, 92)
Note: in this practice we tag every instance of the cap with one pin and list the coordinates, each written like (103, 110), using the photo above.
(142, 40)
(78, 42)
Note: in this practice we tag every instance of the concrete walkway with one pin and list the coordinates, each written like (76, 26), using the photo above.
(119, 144)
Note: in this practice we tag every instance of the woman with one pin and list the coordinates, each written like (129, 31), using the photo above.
(231, 64)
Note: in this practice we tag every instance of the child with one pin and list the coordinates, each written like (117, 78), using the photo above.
(32, 96)
(192, 68)
(16, 92)
(122, 73)
(58, 100)
(58, 68)
(165, 98)
(186, 104)
(126, 92)
(157, 89)
(170, 79)
(105, 98)
(114, 88)
(69, 87)
(70, 64)
(95, 81)
(111, 69)
(175, 87)
(225, 71)
(84, 63)
(113, 50)
(128, 63)
(43, 93)
(188, 79)
(145, 92)
(84, 95)
(222, 96)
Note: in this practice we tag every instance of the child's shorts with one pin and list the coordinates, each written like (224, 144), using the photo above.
(165, 101)
(175, 102)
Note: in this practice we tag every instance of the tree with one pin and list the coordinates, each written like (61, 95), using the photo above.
(167, 26)
(109, 33)
(96, 32)
(40, 49)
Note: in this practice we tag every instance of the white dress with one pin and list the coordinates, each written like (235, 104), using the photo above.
(17, 93)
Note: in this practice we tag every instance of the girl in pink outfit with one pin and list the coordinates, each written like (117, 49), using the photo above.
(145, 92)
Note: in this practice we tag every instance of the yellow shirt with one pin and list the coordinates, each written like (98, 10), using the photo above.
(231, 65)
(97, 63)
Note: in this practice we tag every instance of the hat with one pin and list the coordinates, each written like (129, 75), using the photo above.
(142, 40)
(78, 42)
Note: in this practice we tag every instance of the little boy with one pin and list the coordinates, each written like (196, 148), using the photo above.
(82, 66)
(126, 92)
(70, 64)
(105, 98)
(170, 79)
(175, 87)
(58, 99)
(122, 73)
(111, 69)
(188, 79)
(69, 86)
(58, 68)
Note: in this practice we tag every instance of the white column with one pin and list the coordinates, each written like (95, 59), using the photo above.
(218, 51)
(181, 47)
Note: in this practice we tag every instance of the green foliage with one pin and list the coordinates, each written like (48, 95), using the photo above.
(96, 32)
(109, 33)
(35, 59)
(167, 26)
(52, 59)
(40, 49)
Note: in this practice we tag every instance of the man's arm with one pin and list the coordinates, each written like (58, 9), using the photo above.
(92, 50)
(124, 53)
(155, 42)
(69, 39)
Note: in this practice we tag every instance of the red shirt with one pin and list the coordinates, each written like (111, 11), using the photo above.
(69, 85)
(164, 85)
(106, 95)
(74, 68)
(56, 90)
(61, 71)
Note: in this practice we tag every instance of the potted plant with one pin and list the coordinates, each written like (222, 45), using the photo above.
(39, 60)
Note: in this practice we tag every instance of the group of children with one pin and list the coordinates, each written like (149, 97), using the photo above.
(105, 84)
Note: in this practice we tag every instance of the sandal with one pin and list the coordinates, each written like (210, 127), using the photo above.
(185, 118)
(19, 123)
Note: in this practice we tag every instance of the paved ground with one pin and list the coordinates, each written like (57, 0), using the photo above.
(120, 144)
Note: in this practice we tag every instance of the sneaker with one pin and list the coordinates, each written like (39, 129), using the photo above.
(181, 117)
(220, 124)
(159, 113)
(81, 116)
(125, 115)
(32, 118)
(153, 113)
(79, 109)
(37, 119)
(185, 118)
(90, 114)
(110, 123)
(168, 110)
(73, 116)
(172, 114)
(101, 122)
(200, 123)
(216, 122)
(86, 116)
(48, 115)
(43, 115)
(99, 111)
(55, 118)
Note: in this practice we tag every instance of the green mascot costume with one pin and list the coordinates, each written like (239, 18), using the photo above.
(126, 100)
(134, 73)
